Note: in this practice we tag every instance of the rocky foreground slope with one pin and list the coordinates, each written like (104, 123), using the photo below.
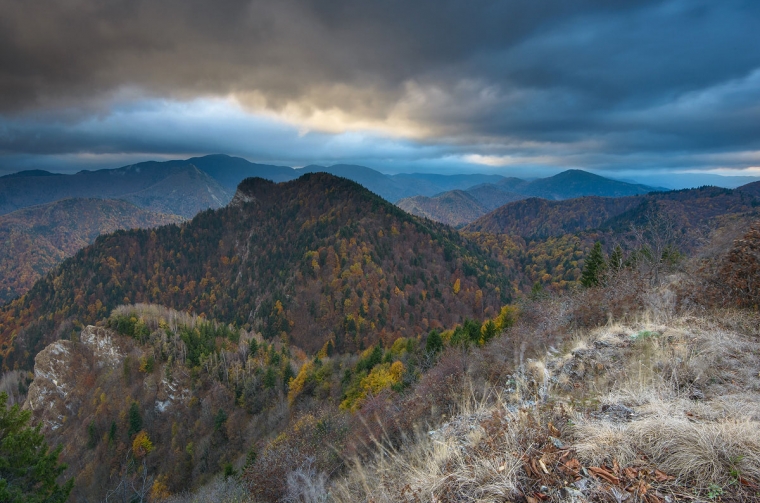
(651, 410)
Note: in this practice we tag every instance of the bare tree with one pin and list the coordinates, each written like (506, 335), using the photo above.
(657, 241)
(134, 482)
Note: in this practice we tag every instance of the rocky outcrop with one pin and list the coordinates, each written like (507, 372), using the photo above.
(63, 368)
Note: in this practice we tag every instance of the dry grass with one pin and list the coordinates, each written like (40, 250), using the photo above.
(694, 386)
(662, 399)
(471, 458)
(691, 384)
(697, 453)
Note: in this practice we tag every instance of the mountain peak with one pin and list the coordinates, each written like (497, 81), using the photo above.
(30, 172)
(578, 173)
(250, 189)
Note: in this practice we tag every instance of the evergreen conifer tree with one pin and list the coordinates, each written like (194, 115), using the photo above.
(28, 469)
(434, 343)
(593, 270)
(135, 420)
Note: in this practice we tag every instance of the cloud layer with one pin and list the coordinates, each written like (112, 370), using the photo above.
(595, 84)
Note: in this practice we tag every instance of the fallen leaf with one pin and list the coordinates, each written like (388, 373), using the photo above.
(571, 467)
(534, 467)
(604, 474)
(662, 476)
(748, 483)
(553, 431)
(643, 487)
(651, 498)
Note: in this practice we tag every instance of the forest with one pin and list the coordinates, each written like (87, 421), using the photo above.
(316, 259)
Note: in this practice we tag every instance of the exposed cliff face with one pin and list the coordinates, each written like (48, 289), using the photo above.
(94, 394)
(62, 371)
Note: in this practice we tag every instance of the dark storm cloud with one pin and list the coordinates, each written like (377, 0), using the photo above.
(584, 83)
(53, 50)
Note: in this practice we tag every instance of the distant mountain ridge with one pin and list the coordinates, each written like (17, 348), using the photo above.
(36, 239)
(395, 187)
(578, 183)
(459, 209)
(30, 172)
(687, 208)
(185, 187)
(176, 187)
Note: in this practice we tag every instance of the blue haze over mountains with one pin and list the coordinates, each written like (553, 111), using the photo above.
(185, 187)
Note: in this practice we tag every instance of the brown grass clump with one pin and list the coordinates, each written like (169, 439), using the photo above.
(697, 453)
(477, 456)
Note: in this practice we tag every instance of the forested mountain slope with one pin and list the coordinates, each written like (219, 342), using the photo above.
(542, 218)
(309, 260)
(459, 207)
(36, 239)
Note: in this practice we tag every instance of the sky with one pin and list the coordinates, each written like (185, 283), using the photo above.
(622, 88)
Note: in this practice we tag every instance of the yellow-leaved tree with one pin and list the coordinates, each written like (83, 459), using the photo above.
(382, 376)
(141, 445)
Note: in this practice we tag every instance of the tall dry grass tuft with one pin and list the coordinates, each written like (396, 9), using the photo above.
(694, 388)
(431, 469)
(476, 456)
(306, 485)
(698, 453)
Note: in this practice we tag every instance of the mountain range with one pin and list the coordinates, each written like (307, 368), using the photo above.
(295, 316)
(541, 218)
(461, 207)
(185, 187)
(545, 242)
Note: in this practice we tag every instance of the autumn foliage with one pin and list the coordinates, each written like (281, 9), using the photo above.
(314, 259)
